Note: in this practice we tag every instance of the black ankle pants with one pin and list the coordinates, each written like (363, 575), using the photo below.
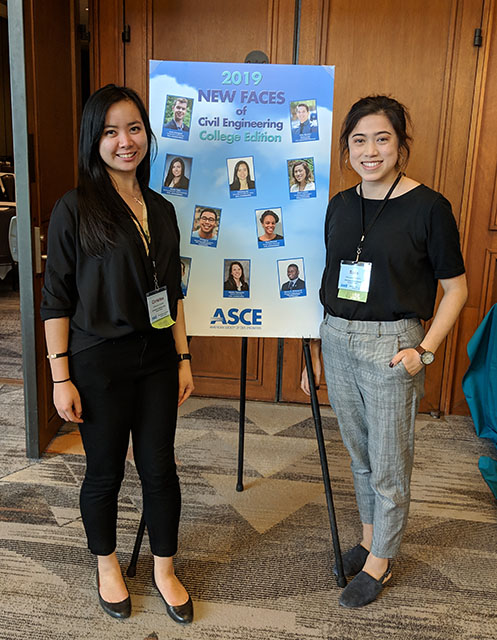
(129, 385)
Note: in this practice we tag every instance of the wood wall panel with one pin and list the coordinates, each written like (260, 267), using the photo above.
(489, 280)
(422, 53)
(215, 32)
(107, 60)
(479, 229)
(52, 117)
(216, 366)
(138, 15)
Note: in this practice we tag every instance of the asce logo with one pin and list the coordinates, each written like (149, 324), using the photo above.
(234, 316)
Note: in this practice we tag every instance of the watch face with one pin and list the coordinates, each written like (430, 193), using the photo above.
(427, 357)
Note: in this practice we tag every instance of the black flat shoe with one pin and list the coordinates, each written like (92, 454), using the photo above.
(363, 589)
(353, 560)
(181, 613)
(119, 610)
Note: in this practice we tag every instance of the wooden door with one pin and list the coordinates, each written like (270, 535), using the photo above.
(480, 239)
(422, 53)
(51, 96)
(215, 31)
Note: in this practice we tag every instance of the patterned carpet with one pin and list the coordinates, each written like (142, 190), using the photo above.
(257, 563)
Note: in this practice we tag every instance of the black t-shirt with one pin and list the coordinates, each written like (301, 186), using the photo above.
(105, 298)
(412, 244)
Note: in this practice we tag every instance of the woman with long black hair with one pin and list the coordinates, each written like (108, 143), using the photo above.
(176, 178)
(241, 177)
(116, 338)
(389, 241)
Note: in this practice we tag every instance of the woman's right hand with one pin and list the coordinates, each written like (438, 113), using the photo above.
(67, 402)
(304, 381)
(315, 348)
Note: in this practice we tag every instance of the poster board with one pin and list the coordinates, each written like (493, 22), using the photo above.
(244, 155)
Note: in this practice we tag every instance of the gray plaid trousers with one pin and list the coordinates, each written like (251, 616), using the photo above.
(376, 407)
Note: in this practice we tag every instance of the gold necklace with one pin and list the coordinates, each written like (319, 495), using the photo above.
(130, 195)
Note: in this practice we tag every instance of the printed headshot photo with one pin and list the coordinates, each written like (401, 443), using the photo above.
(269, 228)
(236, 278)
(177, 172)
(186, 264)
(301, 178)
(304, 120)
(291, 278)
(241, 177)
(177, 117)
(205, 226)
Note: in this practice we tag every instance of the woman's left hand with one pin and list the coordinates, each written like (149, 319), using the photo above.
(185, 380)
(410, 360)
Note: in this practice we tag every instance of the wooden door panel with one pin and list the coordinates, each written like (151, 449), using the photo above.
(216, 366)
(422, 54)
(481, 223)
(51, 107)
(420, 51)
(215, 31)
(107, 47)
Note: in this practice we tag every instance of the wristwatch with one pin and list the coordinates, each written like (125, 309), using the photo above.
(426, 357)
(184, 356)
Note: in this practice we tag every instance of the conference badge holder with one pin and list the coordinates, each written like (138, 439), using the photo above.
(353, 281)
(158, 309)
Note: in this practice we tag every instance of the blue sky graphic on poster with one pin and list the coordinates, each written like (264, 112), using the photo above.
(248, 140)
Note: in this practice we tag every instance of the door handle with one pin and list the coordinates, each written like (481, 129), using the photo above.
(37, 246)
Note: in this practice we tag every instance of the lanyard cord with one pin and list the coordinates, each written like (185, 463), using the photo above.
(149, 245)
(376, 216)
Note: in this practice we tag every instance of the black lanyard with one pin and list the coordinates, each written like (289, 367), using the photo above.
(376, 216)
(149, 247)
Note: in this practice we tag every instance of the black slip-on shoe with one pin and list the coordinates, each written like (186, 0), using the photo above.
(120, 610)
(353, 560)
(181, 613)
(363, 589)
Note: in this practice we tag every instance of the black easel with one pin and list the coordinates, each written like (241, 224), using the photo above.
(131, 572)
(316, 414)
(241, 428)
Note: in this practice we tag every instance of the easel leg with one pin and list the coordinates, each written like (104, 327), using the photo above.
(131, 572)
(241, 429)
(341, 581)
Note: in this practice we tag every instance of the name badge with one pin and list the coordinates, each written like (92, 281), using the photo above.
(158, 309)
(353, 281)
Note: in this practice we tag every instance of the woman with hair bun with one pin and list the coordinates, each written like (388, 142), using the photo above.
(389, 241)
(269, 219)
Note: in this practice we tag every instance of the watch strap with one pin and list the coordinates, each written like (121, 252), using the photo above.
(426, 357)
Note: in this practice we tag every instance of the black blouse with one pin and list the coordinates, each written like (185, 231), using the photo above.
(413, 244)
(105, 298)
